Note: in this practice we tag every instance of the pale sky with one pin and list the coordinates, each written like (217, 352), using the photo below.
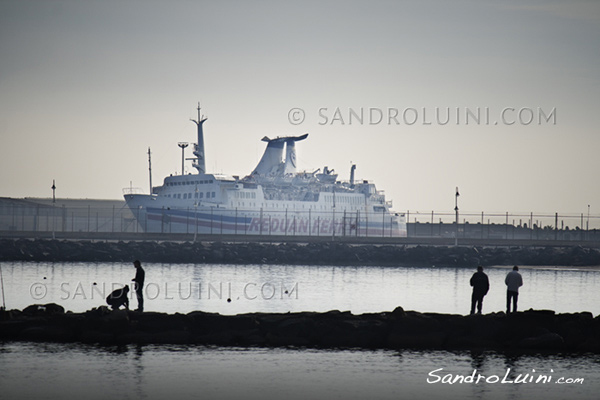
(87, 86)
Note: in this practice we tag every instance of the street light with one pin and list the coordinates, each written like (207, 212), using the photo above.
(587, 228)
(183, 145)
(456, 211)
(196, 213)
(53, 209)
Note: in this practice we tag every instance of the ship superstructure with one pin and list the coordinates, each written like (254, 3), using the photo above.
(274, 199)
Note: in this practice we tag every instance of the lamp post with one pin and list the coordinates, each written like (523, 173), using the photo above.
(333, 216)
(53, 208)
(196, 214)
(183, 145)
(150, 168)
(456, 211)
(587, 225)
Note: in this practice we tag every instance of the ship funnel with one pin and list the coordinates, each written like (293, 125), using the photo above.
(352, 168)
(271, 159)
(290, 157)
(272, 162)
(200, 163)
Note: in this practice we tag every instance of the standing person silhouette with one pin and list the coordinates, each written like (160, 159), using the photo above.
(513, 282)
(481, 285)
(138, 285)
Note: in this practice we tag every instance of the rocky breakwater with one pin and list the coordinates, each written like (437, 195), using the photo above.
(321, 253)
(533, 330)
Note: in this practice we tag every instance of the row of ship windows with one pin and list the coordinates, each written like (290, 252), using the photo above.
(199, 195)
(245, 195)
(343, 199)
(276, 205)
(243, 204)
(189, 183)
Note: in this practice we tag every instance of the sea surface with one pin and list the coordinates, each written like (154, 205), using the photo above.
(76, 371)
(52, 371)
(290, 288)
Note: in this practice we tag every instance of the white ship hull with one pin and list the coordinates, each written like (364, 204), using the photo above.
(286, 221)
(273, 200)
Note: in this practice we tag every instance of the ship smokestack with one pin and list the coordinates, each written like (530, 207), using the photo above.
(272, 162)
(200, 163)
(352, 168)
(271, 159)
(290, 157)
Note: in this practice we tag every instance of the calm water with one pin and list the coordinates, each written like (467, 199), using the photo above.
(262, 288)
(52, 371)
(31, 370)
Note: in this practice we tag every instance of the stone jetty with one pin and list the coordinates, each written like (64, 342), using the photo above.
(319, 253)
(527, 331)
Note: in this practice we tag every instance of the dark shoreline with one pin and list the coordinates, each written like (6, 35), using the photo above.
(320, 253)
(522, 332)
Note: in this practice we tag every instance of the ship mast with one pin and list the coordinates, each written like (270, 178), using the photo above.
(200, 163)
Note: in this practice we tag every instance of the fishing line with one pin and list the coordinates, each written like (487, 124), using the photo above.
(2, 285)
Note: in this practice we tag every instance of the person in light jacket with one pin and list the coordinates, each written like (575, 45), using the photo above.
(513, 282)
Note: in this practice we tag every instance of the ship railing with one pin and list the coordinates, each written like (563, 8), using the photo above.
(133, 190)
(378, 199)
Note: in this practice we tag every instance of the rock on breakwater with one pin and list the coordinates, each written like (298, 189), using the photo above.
(532, 330)
(321, 253)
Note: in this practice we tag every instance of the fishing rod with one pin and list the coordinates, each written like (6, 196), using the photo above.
(2, 285)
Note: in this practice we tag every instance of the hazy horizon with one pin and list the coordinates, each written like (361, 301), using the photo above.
(86, 87)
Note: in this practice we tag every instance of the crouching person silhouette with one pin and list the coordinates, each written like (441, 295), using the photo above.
(119, 298)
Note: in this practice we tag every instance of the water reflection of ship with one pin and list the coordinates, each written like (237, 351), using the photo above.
(275, 199)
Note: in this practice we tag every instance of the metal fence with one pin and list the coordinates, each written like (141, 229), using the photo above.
(24, 216)
(506, 225)
(42, 218)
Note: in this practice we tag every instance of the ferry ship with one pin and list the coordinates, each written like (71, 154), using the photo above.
(274, 199)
